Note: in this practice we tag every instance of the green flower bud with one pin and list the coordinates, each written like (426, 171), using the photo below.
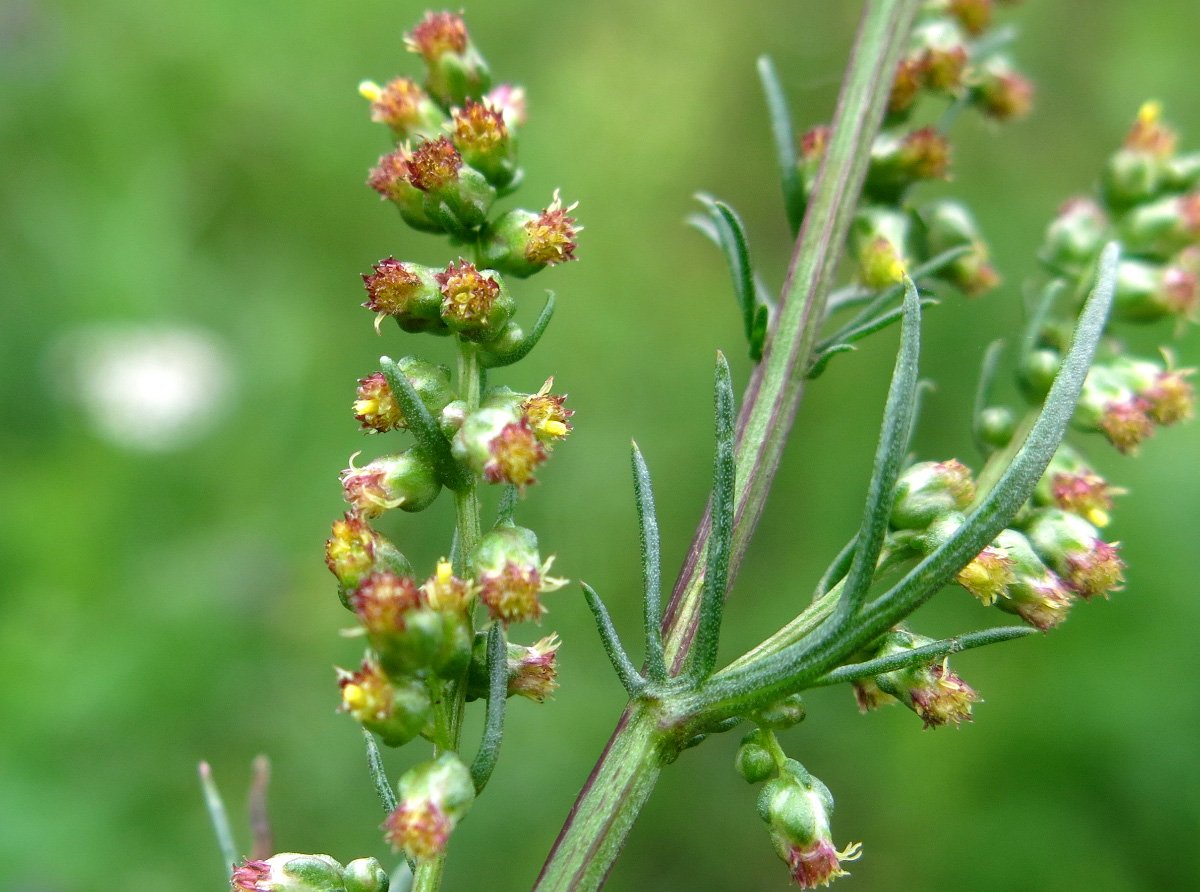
(1037, 373)
(532, 670)
(406, 481)
(1138, 171)
(898, 162)
(754, 761)
(797, 808)
(475, 303)
(456, 197)
(1108, 405)
(511, 574)
(521, 243)
(1070, 484)
(455, 71)
(433, 798)
(936, 694)
(1162, 227)
(1183, 172)
(996, 426)
(784, 713)
(289, 872)
(484, 141)
(948, 224)
(942, 49)
(1072, 547)
(1075, 236)
(879, 238)
(395, 710)
(1000, 92)
(366, 875)
(408, 635)
(929, 490)
(405, 108)
(1036, 593)
(376, 407)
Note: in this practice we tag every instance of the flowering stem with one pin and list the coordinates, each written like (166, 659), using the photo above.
(622, 780)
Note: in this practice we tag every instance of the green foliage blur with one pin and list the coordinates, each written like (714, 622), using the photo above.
(200, 166)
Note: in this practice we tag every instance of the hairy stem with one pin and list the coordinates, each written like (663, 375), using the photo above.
(768, 409)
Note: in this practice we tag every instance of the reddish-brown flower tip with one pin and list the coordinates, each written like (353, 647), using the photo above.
(1006, 95)
(467, 294)
(532, 671)
(1086, 494)
(434, 165)
(945, 700)
(383, 600)
(1181, 290)
(516, 453)
(366, 694)
(925, 154)
(350, 550)
(391, 288)
(250, 876)
(511, 593)
(546, 414)
(510, 102)
(817, 863)
(1171, 398)
(906, 86)
(399, 105)
(868, 695)
(375, 407)
(1097, 571)
(944, 67)
(1126, 424)
(973, 15)
(1149, 134)
(419, 827)
(552, 235)
(813, 143)
(478, 127)
(437, 34)
(390, 175)
(1043, 603)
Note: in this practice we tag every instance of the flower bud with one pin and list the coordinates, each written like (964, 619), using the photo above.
(511, 574)
(974, 15)
(784, 713)
(290, 872)
(395, 710)
(937, 695)
(812, 152)
(406, 291)
(389, 177)
(988, 575)
(546, 415)
(1038, 370)
(943, 53)
(510, 102)
(910, 74)
(1072, 547)
(928, 490)
(879, 239)
(433, 798)
(475, 303)
(1075, 236)
(869, 695)
(455, 71)
(407, 634)
(1000, 92)
(376, 408)
(406, 481)
(404, 107)
(532, 670)
(484, 141)
(446, 593)
(521, 243)
(899, 162)
(366, 875)
(1148, 292)
(500, 445)
(1164, 226)
(1183, 172)
(456, 196)
(797, 808)
(1036, 593)
(350, 550)
(948, 225)
(1137, 171)
(1071, 485)
(754, 761)
(1108, 405)
(996, 426)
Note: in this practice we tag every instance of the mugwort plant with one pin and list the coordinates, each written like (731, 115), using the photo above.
(1022, 533)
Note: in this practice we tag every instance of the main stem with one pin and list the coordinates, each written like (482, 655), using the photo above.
(597, 825)
(428, 877)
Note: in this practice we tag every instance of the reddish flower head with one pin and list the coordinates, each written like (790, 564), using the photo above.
(909, 74)
(419, 827)
(467, 295)
(1149, 135)
(392, 288)
(1085, 493)
(1095, 571)
(350, 551)
(375, 407)
(251, 876)
(516, 452)
(545, 413)
(479, 128)
(1171, 398)
(943, 699)
(399, 104)
(383, 600)
(552, 235)
(437, 34)
(434, 165)
(1126, 424)
(390, 176)
(925, 155)
(511, 593)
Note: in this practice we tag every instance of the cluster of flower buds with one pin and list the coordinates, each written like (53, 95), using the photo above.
(932, 691)
(1148, 200)
(1053, 555)
(947, 60)
(293, 872)
(455, 155)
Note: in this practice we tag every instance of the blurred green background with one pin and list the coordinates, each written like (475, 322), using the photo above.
(194, 172)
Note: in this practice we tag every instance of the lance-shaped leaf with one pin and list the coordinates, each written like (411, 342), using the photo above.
(1038, 314)
(651, 568)
(841, 341)
(725, 229)
(425, 430)
(923, 655)
(720, 542)
(219, 817)
(794, 666)
(493, 727)
(889, 458)
(983, 392)
(784, 138)
(630, 678)
(378, 773)
(516, 352)
(837, 569)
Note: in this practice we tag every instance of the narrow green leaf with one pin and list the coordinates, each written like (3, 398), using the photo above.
(510, 497)
(378, 773)
(729, 234)
(889, 457)
(1037, 316)
(630, 678)
(983, 391)
(425, 430)
(716, 571)
(852, 334)
(493, 728)
(923, 655)
(490, 360)
(837, 570)
(784, 137)
(817, 369)
(656, 666)
(219, 818)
